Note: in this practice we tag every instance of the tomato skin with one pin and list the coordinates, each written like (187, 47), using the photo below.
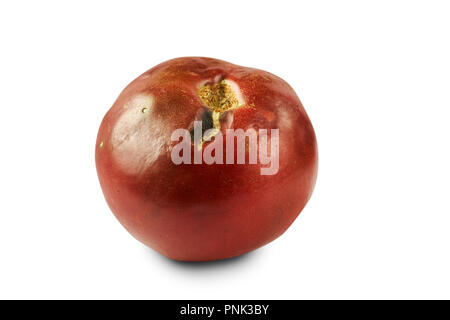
(201, 212)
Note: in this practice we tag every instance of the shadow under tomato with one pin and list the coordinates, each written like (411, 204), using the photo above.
(246, 258)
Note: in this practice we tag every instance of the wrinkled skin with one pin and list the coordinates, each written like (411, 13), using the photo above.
(203, 212)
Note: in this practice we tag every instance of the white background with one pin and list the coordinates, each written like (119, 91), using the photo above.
(374, 77)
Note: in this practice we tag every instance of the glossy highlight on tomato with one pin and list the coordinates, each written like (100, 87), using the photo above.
(205, 211)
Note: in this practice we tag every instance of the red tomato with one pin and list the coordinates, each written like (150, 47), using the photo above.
(183, 179)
